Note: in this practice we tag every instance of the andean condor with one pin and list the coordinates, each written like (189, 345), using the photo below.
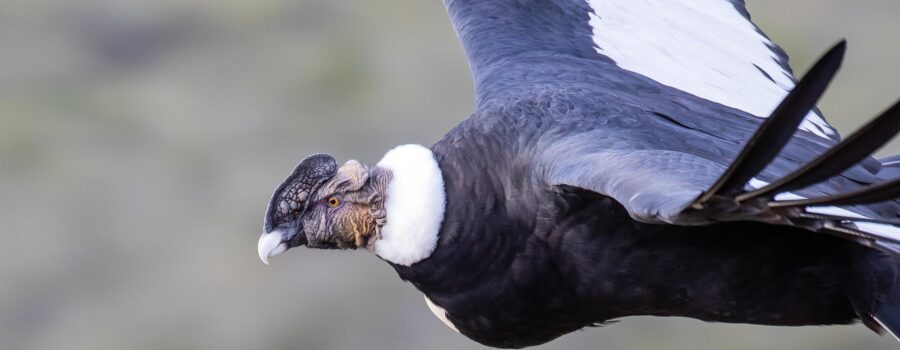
(624, 158)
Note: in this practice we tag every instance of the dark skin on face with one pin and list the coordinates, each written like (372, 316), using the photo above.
(347, 211)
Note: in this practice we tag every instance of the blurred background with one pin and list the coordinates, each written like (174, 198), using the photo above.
(140, 141)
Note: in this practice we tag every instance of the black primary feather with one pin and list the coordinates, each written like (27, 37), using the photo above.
(837, 159)
(876, 193)
(776, 131)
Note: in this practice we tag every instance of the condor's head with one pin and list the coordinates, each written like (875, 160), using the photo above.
(394, 208)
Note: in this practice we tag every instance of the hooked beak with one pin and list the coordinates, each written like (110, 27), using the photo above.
(278, 241)
(271, 244)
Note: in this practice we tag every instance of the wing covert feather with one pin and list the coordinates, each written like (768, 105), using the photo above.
(654, 185)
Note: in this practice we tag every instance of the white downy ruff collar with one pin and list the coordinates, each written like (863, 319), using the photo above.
(414, 203)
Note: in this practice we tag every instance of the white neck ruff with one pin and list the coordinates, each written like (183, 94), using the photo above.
(414, 202)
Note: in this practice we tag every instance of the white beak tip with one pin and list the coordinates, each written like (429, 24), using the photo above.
(270, 245)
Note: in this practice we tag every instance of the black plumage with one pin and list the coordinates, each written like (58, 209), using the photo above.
(579, 192)
(520, 263)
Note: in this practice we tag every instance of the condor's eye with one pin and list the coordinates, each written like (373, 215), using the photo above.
(333, 202)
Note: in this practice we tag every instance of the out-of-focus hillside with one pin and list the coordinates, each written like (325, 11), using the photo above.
(140, 140)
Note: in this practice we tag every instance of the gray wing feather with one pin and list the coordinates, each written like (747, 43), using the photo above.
(654, 185)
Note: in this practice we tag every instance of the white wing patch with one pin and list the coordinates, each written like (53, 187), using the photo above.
(704, 47)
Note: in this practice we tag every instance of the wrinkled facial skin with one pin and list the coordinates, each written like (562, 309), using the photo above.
(347, 210)
(321, 205)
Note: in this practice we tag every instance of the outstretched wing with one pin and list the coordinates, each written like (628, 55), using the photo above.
(677, 187)
(679, 110)
(707, 48)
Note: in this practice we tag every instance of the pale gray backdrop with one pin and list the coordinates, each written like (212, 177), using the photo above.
(140, 140)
